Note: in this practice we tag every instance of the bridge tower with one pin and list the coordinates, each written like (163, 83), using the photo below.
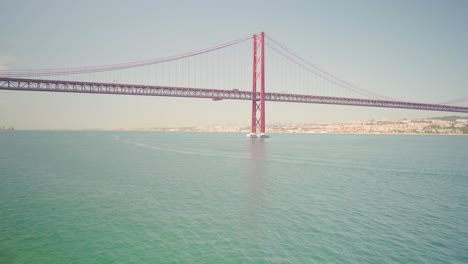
(258, 79)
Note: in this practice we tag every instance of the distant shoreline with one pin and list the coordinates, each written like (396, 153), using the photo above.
(447, 125)
(241, 132)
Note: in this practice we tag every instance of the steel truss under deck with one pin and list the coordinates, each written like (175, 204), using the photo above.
(19, 84)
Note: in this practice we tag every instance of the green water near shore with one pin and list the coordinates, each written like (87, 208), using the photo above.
(155, 197)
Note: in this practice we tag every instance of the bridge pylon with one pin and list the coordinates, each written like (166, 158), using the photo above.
(258, 79)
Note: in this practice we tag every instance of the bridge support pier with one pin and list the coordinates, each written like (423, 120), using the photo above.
(258, 78)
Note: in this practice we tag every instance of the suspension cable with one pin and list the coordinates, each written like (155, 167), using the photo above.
(322, 73)
(111, 67)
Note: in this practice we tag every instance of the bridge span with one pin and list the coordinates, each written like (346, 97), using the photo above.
(219, 72)
(38, 85)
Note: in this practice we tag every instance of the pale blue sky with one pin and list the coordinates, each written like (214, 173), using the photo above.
(414, 50)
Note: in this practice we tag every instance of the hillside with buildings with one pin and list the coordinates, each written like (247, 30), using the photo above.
(438, 125)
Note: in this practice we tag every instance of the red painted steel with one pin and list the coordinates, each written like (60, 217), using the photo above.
(258, 74)
(254, 87)
(262, 83)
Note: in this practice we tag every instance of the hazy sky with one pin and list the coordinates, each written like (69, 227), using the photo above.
(413, 50)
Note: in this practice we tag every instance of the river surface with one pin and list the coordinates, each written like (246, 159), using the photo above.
(155, 197)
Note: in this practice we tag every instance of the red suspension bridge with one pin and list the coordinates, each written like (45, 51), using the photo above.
(219, 73)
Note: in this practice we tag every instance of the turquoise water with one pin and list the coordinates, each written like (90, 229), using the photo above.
(153, 197)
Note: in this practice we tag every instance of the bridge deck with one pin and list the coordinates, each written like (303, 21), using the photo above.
(129, 89)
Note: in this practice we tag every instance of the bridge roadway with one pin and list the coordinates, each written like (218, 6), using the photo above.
(20, 84)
